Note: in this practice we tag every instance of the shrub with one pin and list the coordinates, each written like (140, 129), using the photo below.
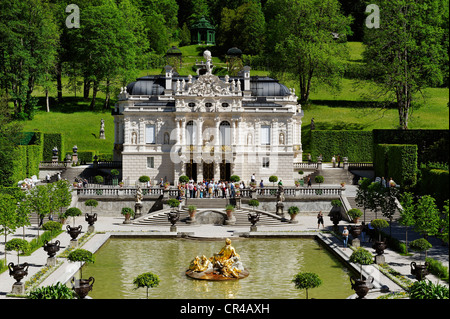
(183, 179)
(420, 245)
(355, 213)
(253, 203)
(98, 179)
(235, 178)
(425, 289)
(127, 211)
(17, 244)
(361, 256)
(173, 202)
(336, 203)
(293, 210)
(81, 255)
(144, 179)
(229, 207)
(57, 291)
(437, 268)
(115, 172)
(52, 226)
(319, 179)
(192, 208)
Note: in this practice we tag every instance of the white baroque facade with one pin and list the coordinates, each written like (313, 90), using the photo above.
(207, 127)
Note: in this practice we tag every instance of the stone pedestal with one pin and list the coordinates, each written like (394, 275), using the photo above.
(356, 243)
(102, 134)
(91, 229)
(138, 209)
(18, 288)
(51, 261)
(165, 193)
(253, 228)
(379, 259)
(55, 159)
(74, 158)
(280, 207)
(231, 220)
(73, 243)
(173, 229)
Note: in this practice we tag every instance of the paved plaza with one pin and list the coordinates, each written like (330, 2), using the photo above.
(105, 226)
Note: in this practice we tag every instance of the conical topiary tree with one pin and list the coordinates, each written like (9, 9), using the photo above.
(306, 280)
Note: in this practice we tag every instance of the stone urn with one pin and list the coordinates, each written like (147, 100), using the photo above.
(361, 287)
(91, 219)
(173, 217)
(51, 248)
(253, 218)
(74, 231)
(379, 247)
(82, 286)
(419, 271)
(18, 271)
(355, 231)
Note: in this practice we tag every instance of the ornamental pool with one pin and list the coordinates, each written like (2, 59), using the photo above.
(272, 264)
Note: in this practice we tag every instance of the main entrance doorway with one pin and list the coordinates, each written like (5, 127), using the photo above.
(191, 170)
(208, 171)
(225, 171)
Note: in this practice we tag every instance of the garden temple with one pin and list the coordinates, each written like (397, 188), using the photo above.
(207, 127)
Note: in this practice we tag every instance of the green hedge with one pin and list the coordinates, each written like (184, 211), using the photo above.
(356, 145)
(50, 141)
(397, 161)
(86, 156)
(435, 182)
(19, 165)
(432, 144)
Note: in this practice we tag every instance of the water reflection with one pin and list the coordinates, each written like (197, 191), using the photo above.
(272, 264)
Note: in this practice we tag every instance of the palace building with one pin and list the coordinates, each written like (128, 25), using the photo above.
(207, 127)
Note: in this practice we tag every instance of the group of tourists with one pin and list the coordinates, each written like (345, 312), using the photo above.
(211, 189)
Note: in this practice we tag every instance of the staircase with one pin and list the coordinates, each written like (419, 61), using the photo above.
(370, 215)
(334, 176)
(219, 203)
(160, 218)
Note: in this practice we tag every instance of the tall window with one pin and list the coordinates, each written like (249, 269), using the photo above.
(265, 134)
(191, 136)
(225, 133)
(266, 162)
(150, 134)
(150, 162)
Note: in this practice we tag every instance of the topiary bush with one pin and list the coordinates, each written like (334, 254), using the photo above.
(306, 280)
(52, 226)
(146, 280)
(144, 179)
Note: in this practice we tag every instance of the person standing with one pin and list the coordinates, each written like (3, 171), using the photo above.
(345, 236)
(309, 181)
(253, 178)
(320, 219)
(339, 160)
(333, 160)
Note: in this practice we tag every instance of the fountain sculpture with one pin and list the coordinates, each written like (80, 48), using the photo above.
(225, 265)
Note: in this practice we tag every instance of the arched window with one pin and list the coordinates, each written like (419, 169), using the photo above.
(191, 134)
(225, 133)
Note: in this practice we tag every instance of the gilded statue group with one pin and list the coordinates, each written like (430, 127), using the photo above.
(227, 264)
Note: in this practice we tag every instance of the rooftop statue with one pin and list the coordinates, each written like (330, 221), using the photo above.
(224, 265)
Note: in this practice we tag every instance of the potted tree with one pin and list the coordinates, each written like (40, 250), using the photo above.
(192, 211)
(379, 245)
(420, 245)
(293, 211)
(82, 286)
(99, 179)
(306, 280)
(183, 179)
(91, 218)
(73, 231)
(319, 179)
(146, 280)
(115, 173)
(273, 179)
(362, 257)
(17, 271)
(229, 209)
(253, 203)
(144, 179)
(355, 214)
(128, 213)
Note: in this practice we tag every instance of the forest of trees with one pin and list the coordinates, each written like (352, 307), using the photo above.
(116, 38)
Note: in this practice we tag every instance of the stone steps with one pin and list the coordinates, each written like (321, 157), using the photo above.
(160, 218)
